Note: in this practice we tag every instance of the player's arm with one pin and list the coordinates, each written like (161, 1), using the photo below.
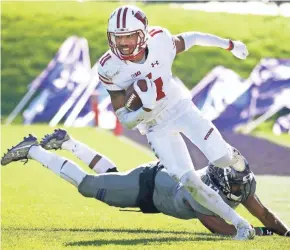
(128, 119)
(117, 99)
(266, 216)
(216, 224)
(185, 41)
(220, 226)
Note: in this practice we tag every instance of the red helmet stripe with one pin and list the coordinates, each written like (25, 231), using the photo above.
(124, 17)
(118, 17)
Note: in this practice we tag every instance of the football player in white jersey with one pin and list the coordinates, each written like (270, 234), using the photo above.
(139, 52)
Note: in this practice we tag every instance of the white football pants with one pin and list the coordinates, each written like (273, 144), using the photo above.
(168, 145)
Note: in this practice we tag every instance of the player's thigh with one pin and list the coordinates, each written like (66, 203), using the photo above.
(172, 152)
(203, 134)
(114, 189)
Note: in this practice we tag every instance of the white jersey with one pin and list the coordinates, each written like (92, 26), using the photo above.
(117, 75)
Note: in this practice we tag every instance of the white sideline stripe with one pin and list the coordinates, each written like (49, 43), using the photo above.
(136, 145)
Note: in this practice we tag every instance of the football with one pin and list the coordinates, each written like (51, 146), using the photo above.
(132, 99)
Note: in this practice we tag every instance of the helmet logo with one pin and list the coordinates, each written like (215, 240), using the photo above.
(141, 17)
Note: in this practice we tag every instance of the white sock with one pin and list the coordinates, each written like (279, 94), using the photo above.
(96, 161)
(210, 199)
(66, 169)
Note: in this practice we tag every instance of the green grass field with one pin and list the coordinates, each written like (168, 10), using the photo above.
(265, 131)
(42, 211)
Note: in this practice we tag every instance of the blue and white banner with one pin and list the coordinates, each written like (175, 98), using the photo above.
(282, 125)
(218, 89)
(65, 77)
(231, 101)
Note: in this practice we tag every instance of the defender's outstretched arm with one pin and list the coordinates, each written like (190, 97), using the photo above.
(220, 226)
(216, 224)
(266, 216)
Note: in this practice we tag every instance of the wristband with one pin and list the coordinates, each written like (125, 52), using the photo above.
(265, 231)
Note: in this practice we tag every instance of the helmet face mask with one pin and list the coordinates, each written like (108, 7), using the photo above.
(235, 185)
(127, 32)
(239, 192)
(132, 41)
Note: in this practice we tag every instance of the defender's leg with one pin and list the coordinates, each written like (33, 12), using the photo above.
(115, 189)
(29, 148)
(60, 139)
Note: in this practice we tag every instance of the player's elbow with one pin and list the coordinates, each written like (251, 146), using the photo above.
(127, 125)
(128, 120)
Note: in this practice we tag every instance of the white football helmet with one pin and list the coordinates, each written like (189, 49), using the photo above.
(128, 20)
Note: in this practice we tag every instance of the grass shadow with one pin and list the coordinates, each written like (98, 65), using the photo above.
(144, 241)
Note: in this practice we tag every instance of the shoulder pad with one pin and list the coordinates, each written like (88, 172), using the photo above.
(105, 59)
(160, 31)
(108, 66)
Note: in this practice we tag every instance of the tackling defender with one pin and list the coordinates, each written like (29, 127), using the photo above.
(138, 51)
(148, 186)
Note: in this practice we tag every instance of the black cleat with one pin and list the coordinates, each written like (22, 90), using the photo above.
(54, 140)
(20, 151)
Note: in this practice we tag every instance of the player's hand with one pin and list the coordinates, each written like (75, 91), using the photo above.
(240, 50)
(148, 97)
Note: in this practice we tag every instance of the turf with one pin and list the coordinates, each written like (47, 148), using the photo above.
(264, 130)
(32, 32)
(42, 211)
